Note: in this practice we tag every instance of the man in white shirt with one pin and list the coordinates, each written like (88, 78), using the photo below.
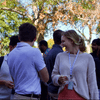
(27, 65)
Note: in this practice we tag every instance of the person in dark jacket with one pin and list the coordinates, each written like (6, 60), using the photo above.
(94, 48)
(50, 60)
(43, 46)
(96, 56)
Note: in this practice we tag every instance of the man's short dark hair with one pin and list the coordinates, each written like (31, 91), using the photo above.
(57, 36)
(43, 42)
(94, 41)
(27, 32)
(97, 41)
(14, 40)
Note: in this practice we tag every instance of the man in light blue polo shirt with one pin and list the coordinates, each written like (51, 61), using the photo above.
(27, 65)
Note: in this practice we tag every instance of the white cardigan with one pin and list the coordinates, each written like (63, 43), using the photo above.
(84, 77)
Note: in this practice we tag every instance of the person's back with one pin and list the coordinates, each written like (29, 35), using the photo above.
(25, 74)
(27, 65)
(50, 60)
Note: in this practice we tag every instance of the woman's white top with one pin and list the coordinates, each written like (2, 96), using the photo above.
(84, 76)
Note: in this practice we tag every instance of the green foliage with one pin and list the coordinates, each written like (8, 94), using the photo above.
(75, 18)
(98, 29)
(91, 49)
(9, 23)
(4, 46)
(11, 3)
(87, 4)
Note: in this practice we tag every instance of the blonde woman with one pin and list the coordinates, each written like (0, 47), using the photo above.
(74, 70)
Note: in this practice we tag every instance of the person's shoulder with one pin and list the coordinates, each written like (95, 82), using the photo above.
(58, 49)
(87, 55)
(92, 54)
(63, 53)
(32, 48)
(55, 50)
(51, 52)
(35, 50)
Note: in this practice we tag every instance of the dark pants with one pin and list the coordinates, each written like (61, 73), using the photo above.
(44, 91)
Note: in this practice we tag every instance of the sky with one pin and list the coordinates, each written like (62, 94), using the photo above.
(68, 27)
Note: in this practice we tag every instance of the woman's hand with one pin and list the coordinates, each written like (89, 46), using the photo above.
(9, 84)
(62, 79)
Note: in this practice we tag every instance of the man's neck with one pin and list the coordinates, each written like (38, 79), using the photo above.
(30, 43)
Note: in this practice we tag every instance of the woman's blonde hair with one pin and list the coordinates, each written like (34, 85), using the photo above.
(77, 39)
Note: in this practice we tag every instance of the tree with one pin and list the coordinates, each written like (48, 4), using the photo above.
(85, 12)
(9, 23)
(79, 13)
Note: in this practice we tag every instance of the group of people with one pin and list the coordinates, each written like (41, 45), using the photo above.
(55, 74)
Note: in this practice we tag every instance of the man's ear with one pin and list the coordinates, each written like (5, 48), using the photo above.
(18, 37)
(11, 48)
(35, 39)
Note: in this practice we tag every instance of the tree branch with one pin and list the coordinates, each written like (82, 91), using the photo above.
(19, 12)
(81, 33)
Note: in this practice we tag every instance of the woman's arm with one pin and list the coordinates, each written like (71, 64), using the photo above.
(57, 78)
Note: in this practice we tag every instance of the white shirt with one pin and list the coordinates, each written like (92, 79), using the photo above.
(84, 77)
(5, 92)
(25, 62)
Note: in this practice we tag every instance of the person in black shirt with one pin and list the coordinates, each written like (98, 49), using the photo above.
(50, 60)
(96, 55)
(43, 46)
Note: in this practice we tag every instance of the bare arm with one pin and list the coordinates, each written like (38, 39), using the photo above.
(44, 74)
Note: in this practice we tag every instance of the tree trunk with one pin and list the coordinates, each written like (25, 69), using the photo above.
(88, 47)
(41, 37)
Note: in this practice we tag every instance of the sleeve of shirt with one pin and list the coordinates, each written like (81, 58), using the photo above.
(38, 60)
(91, 79)
(55, 73)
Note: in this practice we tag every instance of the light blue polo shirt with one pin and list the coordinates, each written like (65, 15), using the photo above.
(25, 62)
